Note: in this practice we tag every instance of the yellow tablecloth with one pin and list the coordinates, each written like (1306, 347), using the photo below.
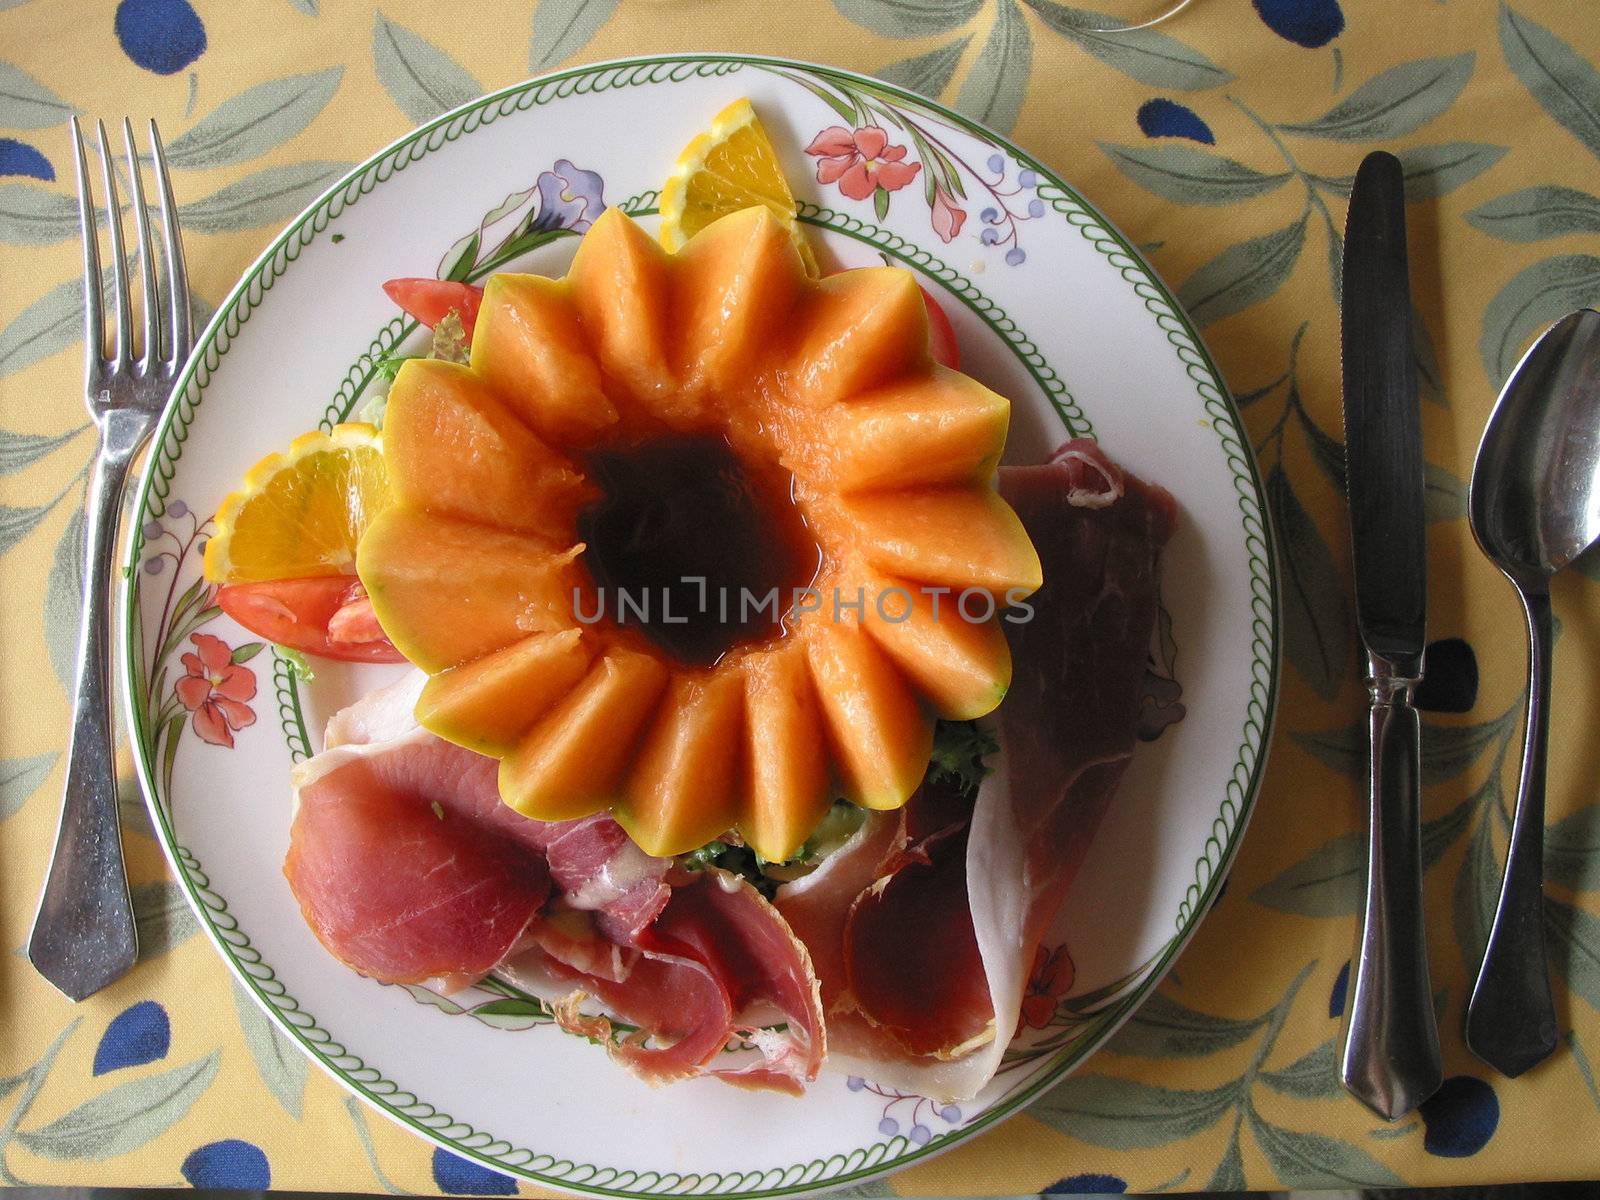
(1223, 144)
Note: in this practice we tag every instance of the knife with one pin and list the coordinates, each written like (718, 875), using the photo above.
(1390, 1057)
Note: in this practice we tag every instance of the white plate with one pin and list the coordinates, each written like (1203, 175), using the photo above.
(1053, 309)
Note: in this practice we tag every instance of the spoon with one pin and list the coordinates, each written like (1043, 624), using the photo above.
(1535, 504)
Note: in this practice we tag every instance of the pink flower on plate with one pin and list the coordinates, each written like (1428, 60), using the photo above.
(861, 161)
(947, 215)
(214, 688)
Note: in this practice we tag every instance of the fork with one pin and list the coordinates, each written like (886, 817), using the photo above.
(84, 936)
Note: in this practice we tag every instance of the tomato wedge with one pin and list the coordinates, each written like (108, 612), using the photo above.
(330, 616)
(430, 300)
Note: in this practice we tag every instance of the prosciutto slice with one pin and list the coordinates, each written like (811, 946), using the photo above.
(718, 964)
(409, 868)
(926, 983)
(444, 894)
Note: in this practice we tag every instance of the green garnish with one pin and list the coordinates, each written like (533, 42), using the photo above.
(450, 338)
(299, 667)
(959, 750)
(389, 365)
(438, 809)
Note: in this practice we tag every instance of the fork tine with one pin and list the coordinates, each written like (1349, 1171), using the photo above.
(94, 345)
(119, 259)
(177, 274)
(147, 272)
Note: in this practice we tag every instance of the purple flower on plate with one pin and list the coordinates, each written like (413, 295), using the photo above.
(152, 530)
(569, 198)
(177, 509)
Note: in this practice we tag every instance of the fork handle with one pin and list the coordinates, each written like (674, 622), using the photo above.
(84, 936)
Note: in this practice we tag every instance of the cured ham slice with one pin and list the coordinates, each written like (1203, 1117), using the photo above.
(442, 895)
(928, 979)
(718, 965)
(817, 906)
(912, 966)
(409, 868)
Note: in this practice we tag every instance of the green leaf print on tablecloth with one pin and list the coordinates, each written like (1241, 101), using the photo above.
(420, 77)
(25, 103)
(1536, 213)
(1393, 103)
(124, 1118)
(255, 121)
(21, 777)
(561, 28)
(995, 85)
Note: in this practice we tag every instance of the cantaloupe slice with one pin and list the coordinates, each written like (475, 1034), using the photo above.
(683, 790)
(786, 755)
(453, 447)
(940, 428)
(447, 591)
(489, 704)
(880, 736)
(734, 287)
(620, 289)
(573, 761)
(530, 347)
(960, 537)
(962, 666)
(858, 330)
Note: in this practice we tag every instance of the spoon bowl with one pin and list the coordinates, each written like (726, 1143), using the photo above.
(1535, 493)
(1535, 506)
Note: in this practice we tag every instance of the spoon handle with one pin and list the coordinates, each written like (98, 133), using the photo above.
(1511, 1019)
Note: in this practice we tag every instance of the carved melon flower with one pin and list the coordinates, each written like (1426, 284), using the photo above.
(689, 430)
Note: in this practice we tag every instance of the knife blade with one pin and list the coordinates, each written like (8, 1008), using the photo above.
(1390, 1057)
(1383, 424)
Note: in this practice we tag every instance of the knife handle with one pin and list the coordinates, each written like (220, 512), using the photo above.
(1390, 1060)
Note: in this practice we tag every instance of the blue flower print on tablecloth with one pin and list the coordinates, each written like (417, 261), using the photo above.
(163, 36)
(1308, 23)
(1340, 989)
(19, 158)
(139, 1034)
(1460, 1117)
(231, 1163)
(1088, 1185)
(1167, 118)
(463, 1177)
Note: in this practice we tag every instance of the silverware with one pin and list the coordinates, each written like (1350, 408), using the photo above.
(1535, 503)
(84, 936)
(1390, 1059)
